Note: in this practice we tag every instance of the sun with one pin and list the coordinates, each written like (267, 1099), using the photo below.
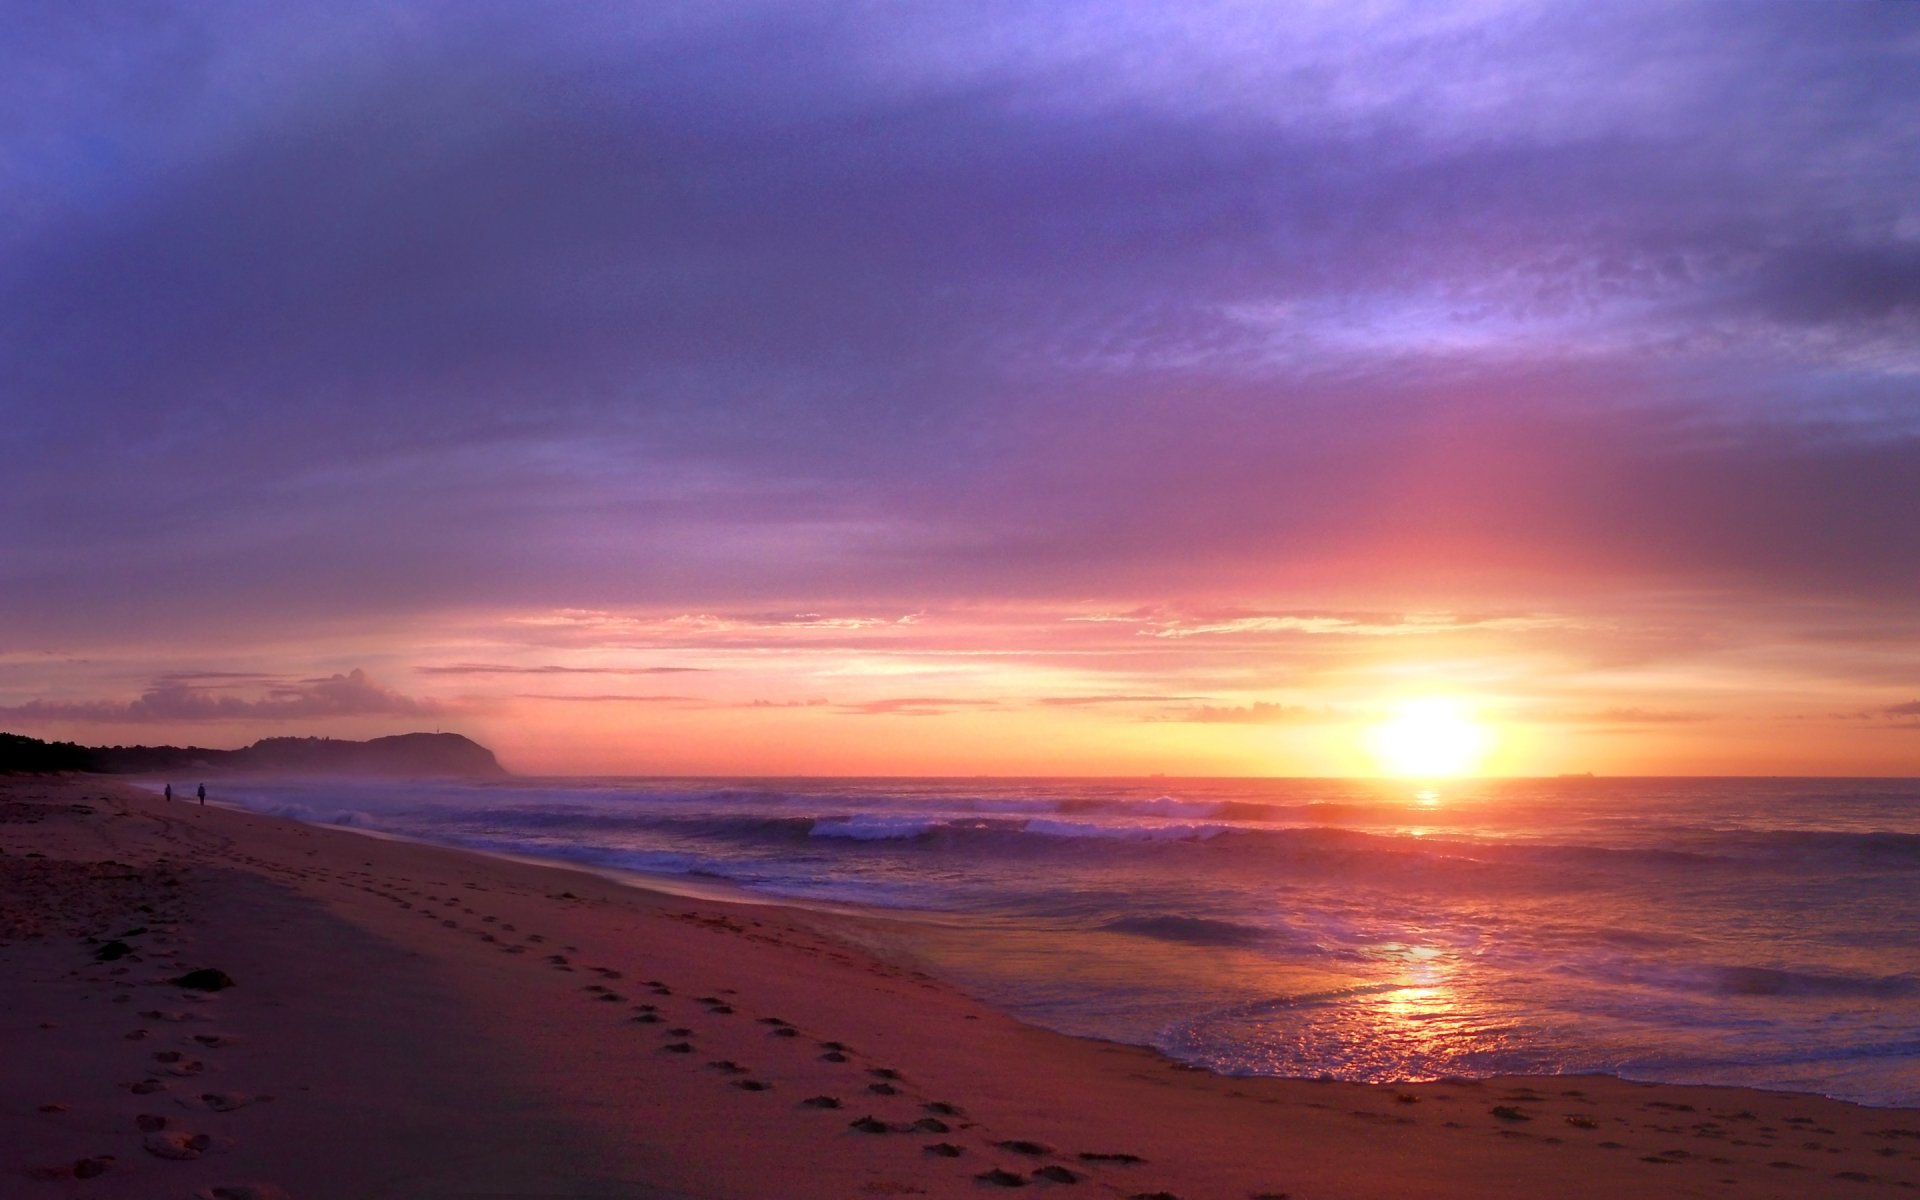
(1432, 738)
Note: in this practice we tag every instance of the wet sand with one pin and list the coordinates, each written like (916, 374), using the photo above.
(410, 1021)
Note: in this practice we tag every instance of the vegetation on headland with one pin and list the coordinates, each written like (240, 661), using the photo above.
(406, 754)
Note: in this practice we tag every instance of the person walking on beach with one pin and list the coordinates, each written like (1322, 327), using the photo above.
(203, 795)
(169, 793)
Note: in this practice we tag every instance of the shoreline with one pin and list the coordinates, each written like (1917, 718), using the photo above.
(944, 927)
(400, 1002)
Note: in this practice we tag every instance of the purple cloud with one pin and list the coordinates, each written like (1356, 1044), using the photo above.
(796, 312)
(174, 699)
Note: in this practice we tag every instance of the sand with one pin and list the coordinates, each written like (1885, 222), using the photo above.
(411, 1021)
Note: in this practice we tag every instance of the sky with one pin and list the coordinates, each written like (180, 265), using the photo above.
(1001, 388)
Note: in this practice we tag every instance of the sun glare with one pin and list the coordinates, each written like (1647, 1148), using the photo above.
(1434, 738)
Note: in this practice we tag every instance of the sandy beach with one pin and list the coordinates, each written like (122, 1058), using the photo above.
(411, 1021)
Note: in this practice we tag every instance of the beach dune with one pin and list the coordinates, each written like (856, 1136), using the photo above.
(206, 1002)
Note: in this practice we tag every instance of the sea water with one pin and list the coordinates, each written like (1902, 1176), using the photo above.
(1763, 932)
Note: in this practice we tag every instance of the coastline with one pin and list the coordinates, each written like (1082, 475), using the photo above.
(401, 1004)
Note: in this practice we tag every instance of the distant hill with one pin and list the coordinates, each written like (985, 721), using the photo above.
(406, 755)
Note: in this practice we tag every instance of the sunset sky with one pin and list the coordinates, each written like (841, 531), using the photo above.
(988, 388)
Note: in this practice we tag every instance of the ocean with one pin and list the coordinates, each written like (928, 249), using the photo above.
(1760, 932)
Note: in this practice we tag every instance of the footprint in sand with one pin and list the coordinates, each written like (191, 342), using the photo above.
(79, 1168)
(177, 1063)
(242, 1191)
(821, 1102)
(1021, 1146)
(176, 1144)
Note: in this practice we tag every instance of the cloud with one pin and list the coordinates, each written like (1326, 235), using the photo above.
(1259, 712)
(1122, 698)
(1909, 709)
(173, 699)
(610, 698)
(917, 706)
(548, 669)
(1634, 715)
(1382, 626)
(780, 321)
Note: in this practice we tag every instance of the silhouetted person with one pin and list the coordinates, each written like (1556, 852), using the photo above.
(169, 793)
(203, 795)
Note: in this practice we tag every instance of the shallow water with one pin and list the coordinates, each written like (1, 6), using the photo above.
(1757, 932)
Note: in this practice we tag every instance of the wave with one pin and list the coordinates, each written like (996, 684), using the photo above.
(1197, 931)
(1867, 848)
(1123, 833)
(1769, 981)
(874, 828)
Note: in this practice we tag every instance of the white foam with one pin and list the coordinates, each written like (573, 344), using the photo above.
(1048, 827)
(873, 828)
